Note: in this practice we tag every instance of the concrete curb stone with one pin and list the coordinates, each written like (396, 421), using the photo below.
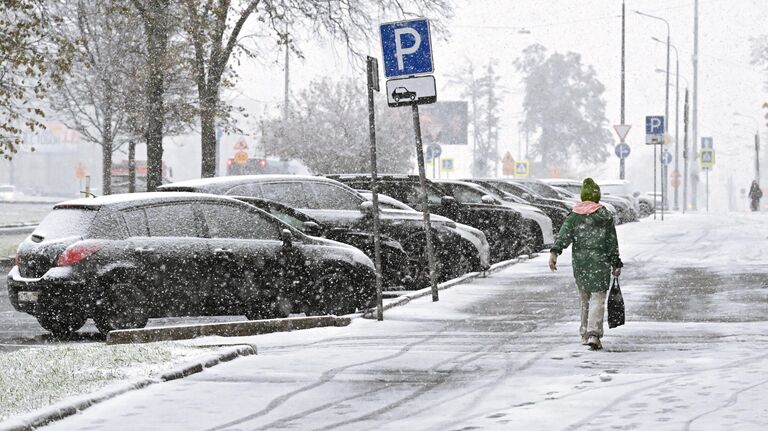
(69, 407)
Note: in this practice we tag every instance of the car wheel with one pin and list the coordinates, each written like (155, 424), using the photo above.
(62, 322)
(331, 295)
(418, 264)
(268, 304)
(123, 306)
(462, 264)
(645, 209)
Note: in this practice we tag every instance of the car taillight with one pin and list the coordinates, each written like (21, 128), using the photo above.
(77, 252)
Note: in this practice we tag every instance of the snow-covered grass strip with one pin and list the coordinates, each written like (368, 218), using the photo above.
(37, 377)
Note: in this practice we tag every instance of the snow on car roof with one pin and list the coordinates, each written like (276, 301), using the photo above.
(239, 179)
(133, 198)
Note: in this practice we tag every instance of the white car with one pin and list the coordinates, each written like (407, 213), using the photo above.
(7, 192)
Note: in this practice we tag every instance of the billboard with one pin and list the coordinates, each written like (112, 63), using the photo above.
(444, 123)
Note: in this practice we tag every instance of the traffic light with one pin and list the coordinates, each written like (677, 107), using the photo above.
(262, 163)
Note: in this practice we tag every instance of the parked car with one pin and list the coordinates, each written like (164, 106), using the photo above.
(621, 188)
(523, 191)
(336, 205)
(503, 227)
(394, 259)
(122, 259)
(475, 236)
(539, 231)
(624, 208)
(555, 213)
(7, 192)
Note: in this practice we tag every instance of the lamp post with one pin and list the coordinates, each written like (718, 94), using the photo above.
(666, 111)
(757, 143)
(676, 205)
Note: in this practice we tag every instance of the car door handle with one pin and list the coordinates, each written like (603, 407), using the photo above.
(224, 251)
(144, 249)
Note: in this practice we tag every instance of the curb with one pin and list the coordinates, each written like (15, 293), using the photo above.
(63, 409)
(402, 300)
(226, 329)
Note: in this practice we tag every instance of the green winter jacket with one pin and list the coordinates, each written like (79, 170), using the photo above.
(595, 248)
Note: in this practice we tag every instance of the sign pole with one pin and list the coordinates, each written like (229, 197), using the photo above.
(707, 190)
(425, 201)
(373, 85)
(622, 170)
(685, 154)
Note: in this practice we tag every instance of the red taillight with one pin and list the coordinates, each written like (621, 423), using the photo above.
(77, 252)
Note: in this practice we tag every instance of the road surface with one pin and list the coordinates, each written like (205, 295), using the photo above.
(504, 353)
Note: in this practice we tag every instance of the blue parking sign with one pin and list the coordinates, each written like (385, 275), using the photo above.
(654, 125)
(406, 48)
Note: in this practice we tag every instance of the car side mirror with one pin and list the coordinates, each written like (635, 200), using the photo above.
(527, 196)
(311, 228)
(366, 208)
(287, 237)
(636, 194)
(448, 201)
(488, 199)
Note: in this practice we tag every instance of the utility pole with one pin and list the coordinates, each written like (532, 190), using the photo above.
(685, 153)
(694, 116)
(622, 165)
(677, 129)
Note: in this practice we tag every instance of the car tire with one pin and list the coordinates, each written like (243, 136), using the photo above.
(331, 294)
(645, 209)
(62, 322)
(267, 304)
(122, 306)
(418, 264)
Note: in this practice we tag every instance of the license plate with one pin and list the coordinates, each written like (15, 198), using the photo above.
(28, 296)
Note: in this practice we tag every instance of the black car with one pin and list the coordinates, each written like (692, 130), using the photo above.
(502, 226)
(524, 191)
(555, 212)
(393, 258)
(338, 206)
(122, 259)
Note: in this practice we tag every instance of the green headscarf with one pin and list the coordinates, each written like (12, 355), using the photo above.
(590, 191)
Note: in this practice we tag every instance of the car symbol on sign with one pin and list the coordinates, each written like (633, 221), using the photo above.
(400, 93)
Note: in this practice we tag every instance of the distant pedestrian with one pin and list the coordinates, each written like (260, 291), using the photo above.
(591, 230)
(755, 194)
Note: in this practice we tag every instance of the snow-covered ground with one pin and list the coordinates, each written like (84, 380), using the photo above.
(503, 353)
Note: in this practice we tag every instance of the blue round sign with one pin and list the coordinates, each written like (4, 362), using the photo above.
(622, 150)
(666, 157)
(433, 151)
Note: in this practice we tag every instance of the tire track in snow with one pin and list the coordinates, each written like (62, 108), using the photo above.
(324, 378)
(444, 377)
(628, 396)
(285, 421)
(730, 402)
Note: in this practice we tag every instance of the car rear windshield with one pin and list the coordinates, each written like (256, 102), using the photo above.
(65, 222)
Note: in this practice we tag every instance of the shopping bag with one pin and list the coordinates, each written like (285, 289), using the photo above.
(615, 305)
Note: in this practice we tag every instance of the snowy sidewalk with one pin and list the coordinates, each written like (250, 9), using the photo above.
(504, 353)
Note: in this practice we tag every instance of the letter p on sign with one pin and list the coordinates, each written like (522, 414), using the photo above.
(406, 48)
(399, 50)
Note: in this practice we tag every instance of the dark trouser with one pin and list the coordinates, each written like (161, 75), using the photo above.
(755, 205)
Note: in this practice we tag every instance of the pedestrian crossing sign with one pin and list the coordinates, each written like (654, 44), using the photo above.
(707, 157)
(522, 168)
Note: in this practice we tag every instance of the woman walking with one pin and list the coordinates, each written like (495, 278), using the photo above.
(591, 230)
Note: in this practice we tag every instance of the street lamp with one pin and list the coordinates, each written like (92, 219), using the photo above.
(677, 123)
(666, 111)
(757, 143)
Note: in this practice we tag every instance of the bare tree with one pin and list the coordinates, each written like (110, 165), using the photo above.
(485, 97)
(92, 100)
(156, 20)
(215, 29)
(326, 128)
